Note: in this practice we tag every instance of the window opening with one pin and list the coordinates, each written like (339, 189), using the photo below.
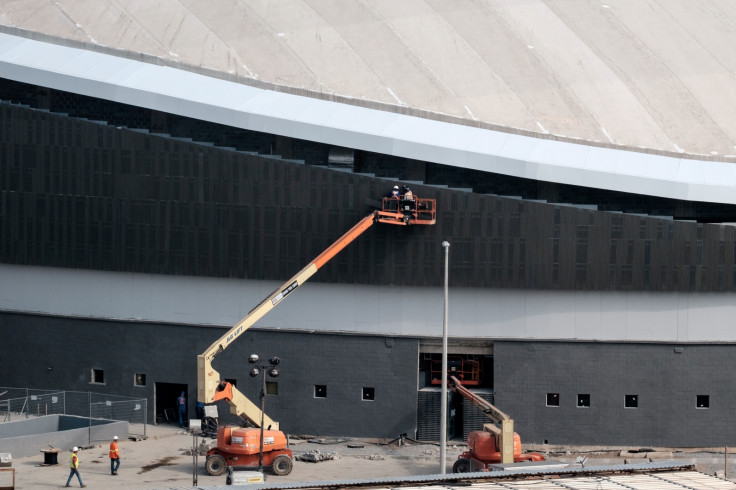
(369, 393)
(702, 401)
(272, 388)
(584, 400)
(98, 376)
(140, 379)
(553, 399)
(320, 391)
(631, 401)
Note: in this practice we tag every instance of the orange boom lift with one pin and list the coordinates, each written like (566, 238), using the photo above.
(241, 446)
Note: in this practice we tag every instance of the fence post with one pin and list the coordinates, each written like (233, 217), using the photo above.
(145, 416)
(28, 405)
(89, 415)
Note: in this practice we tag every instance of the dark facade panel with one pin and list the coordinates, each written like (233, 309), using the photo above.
(346, 365)
(84, 195)
(665, 379)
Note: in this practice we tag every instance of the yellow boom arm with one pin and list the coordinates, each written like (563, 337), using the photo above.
(505, 434)
(209, 386)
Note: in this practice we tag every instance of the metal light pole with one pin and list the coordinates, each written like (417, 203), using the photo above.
(270, 368)
(443, 397)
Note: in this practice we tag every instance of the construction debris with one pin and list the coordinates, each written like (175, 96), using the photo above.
(201, 450)
(315, 456)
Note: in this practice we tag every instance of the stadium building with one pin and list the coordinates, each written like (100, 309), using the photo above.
(149, 201)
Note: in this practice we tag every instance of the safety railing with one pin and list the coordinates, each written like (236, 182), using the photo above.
(23, 403)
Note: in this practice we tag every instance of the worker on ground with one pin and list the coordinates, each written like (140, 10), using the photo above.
(74, 466)
(181, 404)
(114, 456)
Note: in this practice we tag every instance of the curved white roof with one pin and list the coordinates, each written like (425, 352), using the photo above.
(657, 74)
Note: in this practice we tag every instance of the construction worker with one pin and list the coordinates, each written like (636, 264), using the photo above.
(394, 196)
(114, 456)
(74, 466)
(181, 404)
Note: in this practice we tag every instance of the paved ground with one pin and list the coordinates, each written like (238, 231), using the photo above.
(164, 461)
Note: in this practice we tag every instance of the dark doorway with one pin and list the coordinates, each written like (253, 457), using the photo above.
(166, 395)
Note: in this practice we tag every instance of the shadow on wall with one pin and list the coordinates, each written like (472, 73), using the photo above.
(28, 437)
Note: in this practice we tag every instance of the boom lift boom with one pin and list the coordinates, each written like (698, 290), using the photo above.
(209, 386)
(231, 449)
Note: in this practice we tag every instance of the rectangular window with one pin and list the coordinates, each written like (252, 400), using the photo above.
(98, 376)
(584, 400)
(272, 388)
(320, 391)
(140, 379)
(631, 401)
(553, 399)
(369, 393)
(702, 401)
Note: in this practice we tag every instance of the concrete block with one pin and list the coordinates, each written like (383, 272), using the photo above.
(628, 455)
(659, 455)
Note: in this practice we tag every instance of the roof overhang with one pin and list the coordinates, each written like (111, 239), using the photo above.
(185, 93)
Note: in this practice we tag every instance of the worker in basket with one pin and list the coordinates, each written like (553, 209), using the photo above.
(394, 196)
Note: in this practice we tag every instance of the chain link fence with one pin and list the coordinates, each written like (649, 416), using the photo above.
(17, 403)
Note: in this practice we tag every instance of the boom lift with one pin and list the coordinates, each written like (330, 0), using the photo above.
(492, 444)
(238, 447)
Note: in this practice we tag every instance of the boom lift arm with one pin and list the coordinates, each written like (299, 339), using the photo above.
(210, 388)
(505, 434)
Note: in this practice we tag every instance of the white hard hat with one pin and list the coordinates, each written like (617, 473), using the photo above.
(115, 438)
(75, 449)
(396, 187)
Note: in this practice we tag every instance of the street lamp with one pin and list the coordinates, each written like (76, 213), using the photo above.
(443, 394)
(271, 370)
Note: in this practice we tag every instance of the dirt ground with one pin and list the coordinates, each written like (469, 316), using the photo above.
(164, 460)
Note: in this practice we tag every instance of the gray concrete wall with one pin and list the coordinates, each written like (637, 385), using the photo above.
(345, 364)
(28, 437)
(666, 378)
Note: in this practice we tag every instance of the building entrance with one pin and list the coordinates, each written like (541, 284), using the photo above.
(165, 395)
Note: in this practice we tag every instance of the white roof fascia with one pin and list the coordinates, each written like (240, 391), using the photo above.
(189, 94)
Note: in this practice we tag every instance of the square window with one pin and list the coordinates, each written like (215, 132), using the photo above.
(369, 394)
(272, 388)
(140, 379)
(584, 400)
(631, 401)
(98, 376)
(320, 391)
(553, 399)
(702, 401)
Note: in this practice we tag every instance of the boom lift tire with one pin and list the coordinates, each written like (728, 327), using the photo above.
(215, 465)
(282, 465)
(462, 465)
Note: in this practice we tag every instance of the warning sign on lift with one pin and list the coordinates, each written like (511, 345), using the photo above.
(284, 292)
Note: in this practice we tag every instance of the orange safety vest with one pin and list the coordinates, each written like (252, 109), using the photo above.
(73, 461)
(114, 453)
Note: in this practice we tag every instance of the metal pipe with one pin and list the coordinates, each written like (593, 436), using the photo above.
(443, 397)
(263, 408)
